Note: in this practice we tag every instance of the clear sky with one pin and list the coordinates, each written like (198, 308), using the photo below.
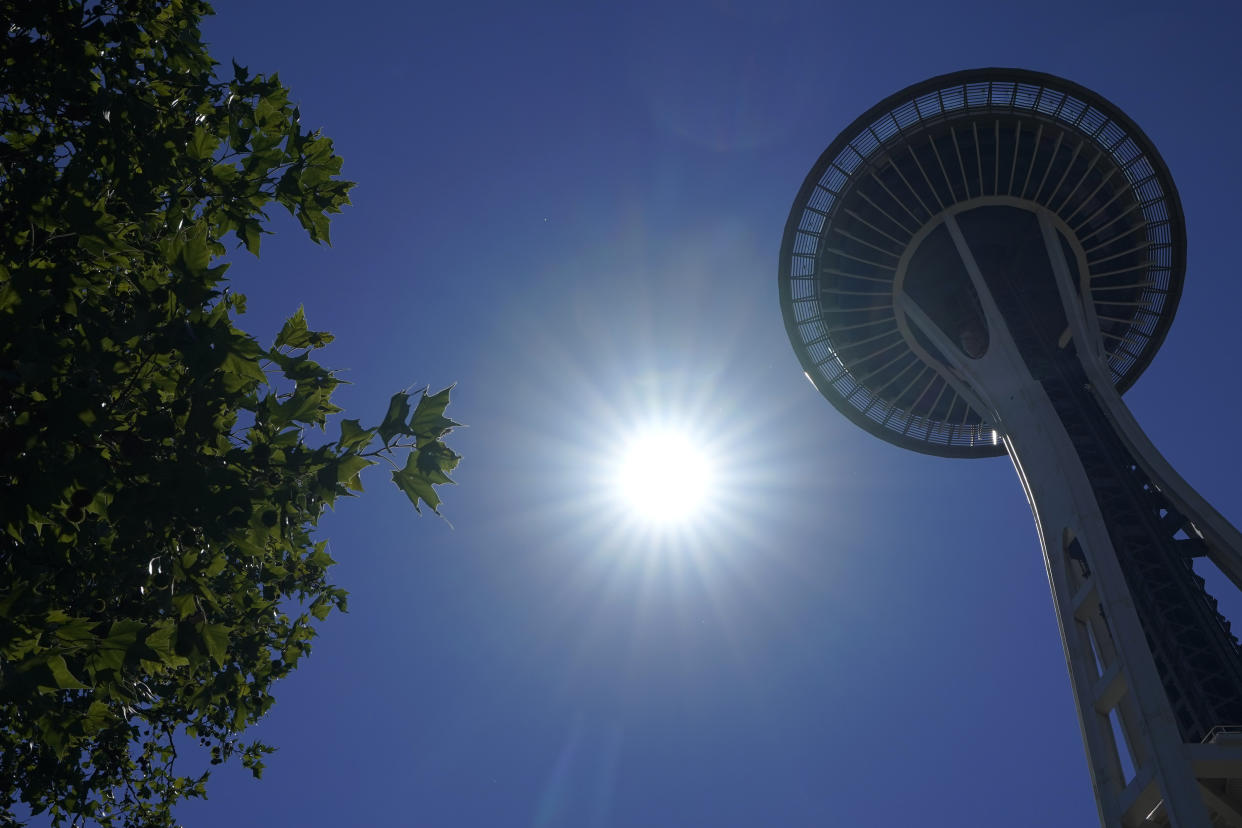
(574, 210)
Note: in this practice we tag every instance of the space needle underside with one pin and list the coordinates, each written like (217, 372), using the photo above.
(983, 263)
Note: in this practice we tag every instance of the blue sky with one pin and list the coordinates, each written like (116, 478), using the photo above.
(574, 211)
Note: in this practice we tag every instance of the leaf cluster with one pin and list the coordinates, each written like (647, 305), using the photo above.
(158, 570)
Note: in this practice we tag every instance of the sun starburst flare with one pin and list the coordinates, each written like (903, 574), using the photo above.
(665, 476)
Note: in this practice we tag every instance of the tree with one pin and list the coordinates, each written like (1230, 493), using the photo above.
(161, 477)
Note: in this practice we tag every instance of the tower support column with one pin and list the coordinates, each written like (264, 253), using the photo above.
(1082, 478)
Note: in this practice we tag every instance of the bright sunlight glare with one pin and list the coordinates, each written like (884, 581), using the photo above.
(664, 476)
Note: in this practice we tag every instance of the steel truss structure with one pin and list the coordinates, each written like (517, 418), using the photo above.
(983, 263)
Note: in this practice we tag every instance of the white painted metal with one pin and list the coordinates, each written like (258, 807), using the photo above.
(1111, 667)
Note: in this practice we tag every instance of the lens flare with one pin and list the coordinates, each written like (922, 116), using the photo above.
(664, 476)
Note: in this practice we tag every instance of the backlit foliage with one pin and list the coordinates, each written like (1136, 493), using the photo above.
(158, 493)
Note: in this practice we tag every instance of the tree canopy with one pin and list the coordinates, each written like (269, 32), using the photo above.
(162, 477)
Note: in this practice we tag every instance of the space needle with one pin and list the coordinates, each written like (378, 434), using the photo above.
(981, 264)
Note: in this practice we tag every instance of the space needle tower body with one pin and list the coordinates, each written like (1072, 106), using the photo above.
(983, 263)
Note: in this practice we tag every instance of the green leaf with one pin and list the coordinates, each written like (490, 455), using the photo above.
(321, 608)
(77, 629)
(348, 469)
(111, 652)
(252, 757)
(315, 224)
(202, 144)
(353, 436)
(185, 605)
(319, 556)
(251, 233)
(394, 420)
(308, 405)
(295, 334)
(224, 173)
(429, 422)
(161, 640)
(195, 254)
(215, 641)
(98, 716)
(241, 366)
(125, 633)
(436, 459)
(64, 679)
(418, 484)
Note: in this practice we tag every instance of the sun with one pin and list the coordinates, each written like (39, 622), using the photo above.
(664, 476)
